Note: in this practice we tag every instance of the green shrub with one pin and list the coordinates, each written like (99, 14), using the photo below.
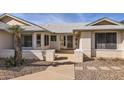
(10, 62)
(23, 61)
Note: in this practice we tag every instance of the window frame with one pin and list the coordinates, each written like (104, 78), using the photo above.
(65, 40)
(53, 38)
(108, 40)
(46, 40)
(38, 40)
(24, 41)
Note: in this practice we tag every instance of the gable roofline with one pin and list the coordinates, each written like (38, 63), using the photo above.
(22, 20)
(16, 18)
(106, 19)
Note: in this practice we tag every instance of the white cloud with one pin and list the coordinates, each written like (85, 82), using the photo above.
(41, 18)
(81, 16)
(52, 18)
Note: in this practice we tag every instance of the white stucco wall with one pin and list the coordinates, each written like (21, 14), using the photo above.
(27, 54)
(87, 42)
(6, 40)
(47, 55)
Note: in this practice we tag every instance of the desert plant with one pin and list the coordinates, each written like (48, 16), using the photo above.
(10, 62)
(23, 61)
(16, 30)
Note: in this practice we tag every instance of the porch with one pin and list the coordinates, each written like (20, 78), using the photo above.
(46, 40)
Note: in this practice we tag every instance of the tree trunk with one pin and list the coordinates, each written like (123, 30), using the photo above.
(18, 49)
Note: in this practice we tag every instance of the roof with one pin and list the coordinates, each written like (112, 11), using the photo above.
(16, 18)
(105, 19)
(101, 27)
(63, 28)
(31, 25)
(32, 28)
(70, 27)
(66, 27)
(5, 27)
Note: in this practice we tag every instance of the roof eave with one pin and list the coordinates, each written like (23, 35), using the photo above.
(105, 18)
(76, 30)
(24, 21)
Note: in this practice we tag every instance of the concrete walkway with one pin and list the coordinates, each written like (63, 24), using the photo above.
(61, 72)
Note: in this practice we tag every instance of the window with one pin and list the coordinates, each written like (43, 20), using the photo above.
(46, 40)
(105, 41)
(38, 40)
(27, 41)
(53, 38)
(64, 40)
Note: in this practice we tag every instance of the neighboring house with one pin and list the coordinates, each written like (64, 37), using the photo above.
(102, 38)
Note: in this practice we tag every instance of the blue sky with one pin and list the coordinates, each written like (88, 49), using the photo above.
(45, 18)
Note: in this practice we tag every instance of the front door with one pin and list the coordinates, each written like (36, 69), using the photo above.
(69, 41)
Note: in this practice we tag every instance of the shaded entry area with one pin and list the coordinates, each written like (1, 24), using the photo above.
(69, 41)
(66, 41)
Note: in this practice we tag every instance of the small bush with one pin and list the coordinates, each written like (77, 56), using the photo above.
(102, 59)
(10, 62)
(23, 61)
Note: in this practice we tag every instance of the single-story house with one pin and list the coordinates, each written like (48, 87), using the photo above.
(102, 38)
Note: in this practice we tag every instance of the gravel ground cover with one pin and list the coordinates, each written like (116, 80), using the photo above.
(105, 69)
(31, 66)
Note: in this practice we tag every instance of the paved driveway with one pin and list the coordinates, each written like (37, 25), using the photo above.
(61, 72)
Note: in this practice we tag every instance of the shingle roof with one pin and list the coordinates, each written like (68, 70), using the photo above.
(67, 27)
(101, 27)
(32, 28)
(31, 25)
(107, 19)
(63, 28)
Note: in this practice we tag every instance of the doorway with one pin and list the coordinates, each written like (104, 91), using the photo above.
(70, 41)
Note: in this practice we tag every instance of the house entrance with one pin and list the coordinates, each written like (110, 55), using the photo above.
(69, 41)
